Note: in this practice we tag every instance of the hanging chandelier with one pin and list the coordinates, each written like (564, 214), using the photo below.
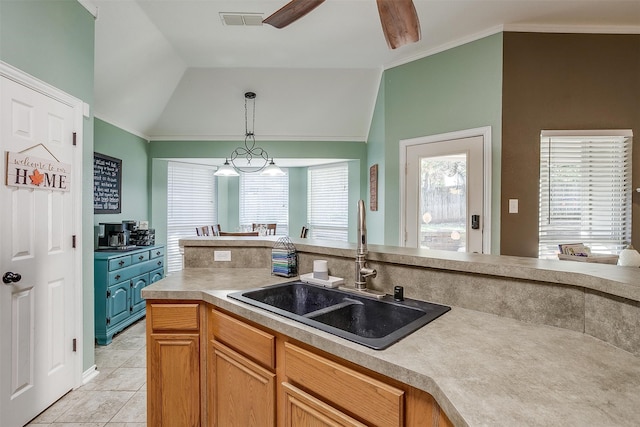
(241, 158)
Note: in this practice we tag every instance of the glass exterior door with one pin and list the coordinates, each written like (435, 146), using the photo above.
(443, 203)
(444, 195)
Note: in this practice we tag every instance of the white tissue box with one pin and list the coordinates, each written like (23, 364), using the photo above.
(332, 282)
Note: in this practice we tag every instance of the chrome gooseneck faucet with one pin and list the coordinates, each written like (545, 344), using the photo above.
(362, 271)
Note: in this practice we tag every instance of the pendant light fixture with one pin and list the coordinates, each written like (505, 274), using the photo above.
(249, 152)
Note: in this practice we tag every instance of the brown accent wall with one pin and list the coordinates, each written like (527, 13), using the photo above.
(561, 81)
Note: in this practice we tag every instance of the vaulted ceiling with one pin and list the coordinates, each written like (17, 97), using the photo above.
(171, 69)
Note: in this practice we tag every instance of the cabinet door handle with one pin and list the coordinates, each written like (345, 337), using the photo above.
(141, 257)
(121, 263)
(117, 277)
(159, 262)
(158, 253)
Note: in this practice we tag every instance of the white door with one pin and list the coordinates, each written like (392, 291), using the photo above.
(38, 305)
(444, 195)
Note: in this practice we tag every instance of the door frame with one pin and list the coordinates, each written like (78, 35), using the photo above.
(485, 133)
(80, 110)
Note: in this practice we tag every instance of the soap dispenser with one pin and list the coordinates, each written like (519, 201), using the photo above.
(629, 257)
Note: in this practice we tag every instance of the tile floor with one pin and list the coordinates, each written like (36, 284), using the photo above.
(117, 397)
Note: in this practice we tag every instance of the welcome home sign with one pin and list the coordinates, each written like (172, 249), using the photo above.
(24, 170)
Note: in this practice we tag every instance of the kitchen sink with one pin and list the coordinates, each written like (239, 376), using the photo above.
(375, 323)
(296, 297)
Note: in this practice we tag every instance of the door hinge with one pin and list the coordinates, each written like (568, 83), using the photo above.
(108, 321)
(108, 293)
(73, 241)
(131, 309)
(75, 345)
(75, 137)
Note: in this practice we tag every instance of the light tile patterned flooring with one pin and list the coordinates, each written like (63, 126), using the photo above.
(117, 397)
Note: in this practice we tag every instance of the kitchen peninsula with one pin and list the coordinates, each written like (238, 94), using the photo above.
(527, 342)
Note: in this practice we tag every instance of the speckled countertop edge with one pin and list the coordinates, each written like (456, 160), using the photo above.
(481, 368)
(609, 279)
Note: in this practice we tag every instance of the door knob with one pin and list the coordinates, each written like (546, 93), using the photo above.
(10, 277)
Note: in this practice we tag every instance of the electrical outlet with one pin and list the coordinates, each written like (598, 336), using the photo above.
(513, 205)
(222, 255)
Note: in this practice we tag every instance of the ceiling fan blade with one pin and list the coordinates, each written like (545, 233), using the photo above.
(291, 12)
(399, 22)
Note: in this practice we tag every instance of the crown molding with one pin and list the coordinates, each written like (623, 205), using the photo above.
(577, 29)
(446, 46)
(121, 127)
(522, 28)
(259, 138)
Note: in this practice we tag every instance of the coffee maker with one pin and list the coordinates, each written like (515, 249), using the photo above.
(114, 236)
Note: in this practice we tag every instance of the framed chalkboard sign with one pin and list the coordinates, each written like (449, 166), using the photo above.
(107, 184)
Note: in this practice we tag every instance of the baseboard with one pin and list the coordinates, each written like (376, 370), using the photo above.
(90, 374)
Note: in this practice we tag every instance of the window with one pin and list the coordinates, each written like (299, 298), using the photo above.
(191, 203)
(328, 202)
(585, 191)
(265, 200)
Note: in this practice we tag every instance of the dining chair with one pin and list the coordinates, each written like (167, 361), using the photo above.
(271, 228)
(203, 231)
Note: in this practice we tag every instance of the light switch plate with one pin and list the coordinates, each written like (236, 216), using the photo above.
(222, 255)
(513, 205)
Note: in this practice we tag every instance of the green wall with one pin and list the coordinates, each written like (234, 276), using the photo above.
(132, 150)
(375, 155)
(53, 40)
(457, 89)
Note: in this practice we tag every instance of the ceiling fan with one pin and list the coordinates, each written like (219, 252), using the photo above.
(398, 17)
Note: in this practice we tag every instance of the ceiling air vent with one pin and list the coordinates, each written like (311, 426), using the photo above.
(232, 18)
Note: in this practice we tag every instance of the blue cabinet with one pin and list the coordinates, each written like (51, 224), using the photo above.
(119, 278)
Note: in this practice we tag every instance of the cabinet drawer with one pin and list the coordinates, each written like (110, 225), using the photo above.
(371, 400)
(302, 409)
(252, 342)
(156, 263)
(139, 257)
(156, 252)
(118, 263)
(174, 317)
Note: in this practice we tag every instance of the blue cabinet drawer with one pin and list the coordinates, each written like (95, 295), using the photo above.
(140, 257)
(130, 272)
(157, 252)
(156, 263)
(120, 262)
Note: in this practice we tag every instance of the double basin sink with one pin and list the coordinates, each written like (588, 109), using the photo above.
(375, 323)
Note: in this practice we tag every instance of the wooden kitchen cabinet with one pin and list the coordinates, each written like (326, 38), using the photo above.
(343, 388)
(247, 376)
(242, 393)
(241, 379)
(173, 365)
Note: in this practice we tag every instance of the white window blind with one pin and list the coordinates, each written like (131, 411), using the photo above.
(191, 203)
(265, 200)
(585, 192)
(328, 202)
